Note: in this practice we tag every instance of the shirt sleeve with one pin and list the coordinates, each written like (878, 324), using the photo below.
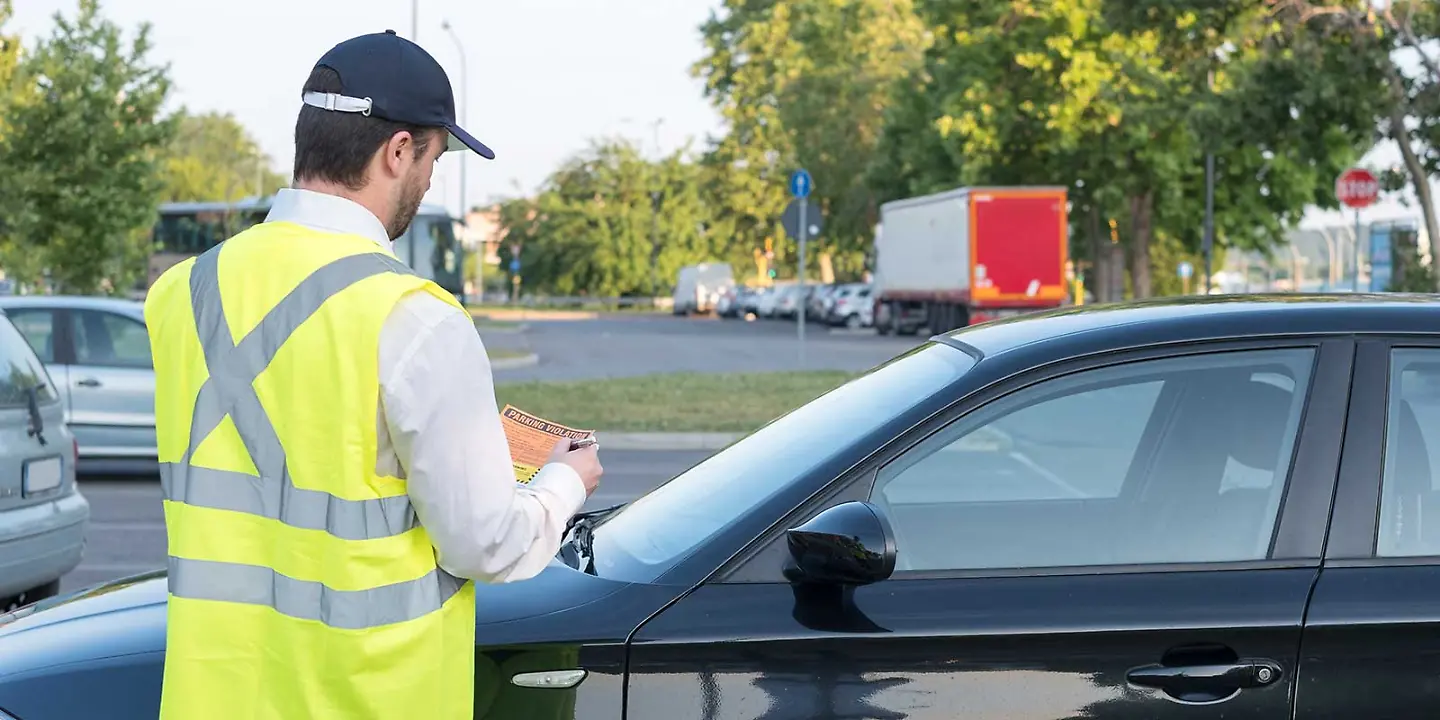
(438, 402)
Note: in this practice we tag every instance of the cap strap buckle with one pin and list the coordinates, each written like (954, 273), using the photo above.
(335, 102)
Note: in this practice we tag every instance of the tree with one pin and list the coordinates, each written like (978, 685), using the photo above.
(1119, 102)
(213, 158)
(597, 228)
(9, 58)
(803, 83)
(1389, 35)
(80, 158)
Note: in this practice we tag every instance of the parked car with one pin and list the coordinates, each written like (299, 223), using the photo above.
(750, 302)
(42, 512)
(1139, 511)
(98, 352)
(765, 308)
(818, 307)
(787, 301)
(852, 306)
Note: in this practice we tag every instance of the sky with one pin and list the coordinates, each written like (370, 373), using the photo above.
(544, 77)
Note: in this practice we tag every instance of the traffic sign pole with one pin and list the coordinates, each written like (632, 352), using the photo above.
(1355, 282)
(801, 185)
(1357, 188)
(804, 230)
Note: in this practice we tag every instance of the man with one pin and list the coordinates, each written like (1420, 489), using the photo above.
(334, 467)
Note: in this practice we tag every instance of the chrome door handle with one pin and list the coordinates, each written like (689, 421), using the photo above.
(89, 382)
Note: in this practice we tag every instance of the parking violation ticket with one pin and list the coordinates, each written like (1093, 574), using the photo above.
(531, 440)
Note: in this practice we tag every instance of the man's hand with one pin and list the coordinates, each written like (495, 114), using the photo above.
(585, 462)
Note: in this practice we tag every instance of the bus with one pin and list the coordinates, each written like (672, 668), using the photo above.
(185, 230)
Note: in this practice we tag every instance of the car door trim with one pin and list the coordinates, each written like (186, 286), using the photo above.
(1355, 521)
(1332, 363)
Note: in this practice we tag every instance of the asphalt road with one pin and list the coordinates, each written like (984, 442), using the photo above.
(127, 525)
(640, 344)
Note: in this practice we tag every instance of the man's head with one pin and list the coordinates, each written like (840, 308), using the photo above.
(378, 114)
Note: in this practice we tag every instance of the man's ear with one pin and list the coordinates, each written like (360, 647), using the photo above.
(396, 152)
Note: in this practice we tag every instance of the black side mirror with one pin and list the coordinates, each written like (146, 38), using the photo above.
(847, 545)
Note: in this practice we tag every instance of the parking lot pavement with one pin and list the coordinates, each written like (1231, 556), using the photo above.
(127, 524)
(622, 344)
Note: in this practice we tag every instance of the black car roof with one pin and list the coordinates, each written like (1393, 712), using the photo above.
(1203, 318)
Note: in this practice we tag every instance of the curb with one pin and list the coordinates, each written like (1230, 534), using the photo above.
(513, 363)
(535, 315)
(665, 441)
(517, 330)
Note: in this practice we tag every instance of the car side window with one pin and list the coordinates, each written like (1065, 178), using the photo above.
(1174, 460)
(38, 327)
(110, 340)
(1409, 489)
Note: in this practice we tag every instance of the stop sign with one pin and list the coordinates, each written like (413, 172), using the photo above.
(1357, 188)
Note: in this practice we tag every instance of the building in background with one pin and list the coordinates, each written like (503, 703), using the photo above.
(480, 235)
(1324, 259)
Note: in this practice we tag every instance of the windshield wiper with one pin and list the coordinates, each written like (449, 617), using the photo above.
(37, 422)
(583, 539)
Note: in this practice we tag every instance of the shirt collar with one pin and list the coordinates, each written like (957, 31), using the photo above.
(330, 213)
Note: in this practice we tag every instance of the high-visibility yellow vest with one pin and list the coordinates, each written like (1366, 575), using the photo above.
(301, 584)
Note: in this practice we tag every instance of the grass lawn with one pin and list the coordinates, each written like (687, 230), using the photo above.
(485, 323)
(505, 353)
(679, 402)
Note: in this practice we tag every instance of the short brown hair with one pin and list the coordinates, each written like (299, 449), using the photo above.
(337, 146)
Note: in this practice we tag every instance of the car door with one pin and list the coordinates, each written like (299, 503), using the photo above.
(112, 385)
(1372, 636)
(1133, 537)
(41, 326)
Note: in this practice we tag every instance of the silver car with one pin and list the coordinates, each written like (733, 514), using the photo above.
(98, 353)
(42, 513)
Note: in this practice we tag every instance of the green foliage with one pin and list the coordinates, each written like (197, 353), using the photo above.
(1113, 100)
(213, 158)
(803, 83)
(9, 58)
(590, 229)
(80, 156)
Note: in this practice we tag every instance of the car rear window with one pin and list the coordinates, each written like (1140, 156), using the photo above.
(20, 370)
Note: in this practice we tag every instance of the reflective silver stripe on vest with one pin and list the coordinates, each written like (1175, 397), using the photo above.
(229, 390)
(308, 600)
(297, 507)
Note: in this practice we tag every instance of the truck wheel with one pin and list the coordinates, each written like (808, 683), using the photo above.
(885, 319)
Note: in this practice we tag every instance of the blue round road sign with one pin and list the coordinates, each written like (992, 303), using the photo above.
(1185, 270)
(514, 265)
(801, 183)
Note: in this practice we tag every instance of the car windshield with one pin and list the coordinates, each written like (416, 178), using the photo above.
(660, 529)
(20, 370)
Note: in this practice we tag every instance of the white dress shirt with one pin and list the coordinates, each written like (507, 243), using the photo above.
(439, 426)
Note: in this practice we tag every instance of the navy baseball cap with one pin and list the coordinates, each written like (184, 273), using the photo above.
(386, 76)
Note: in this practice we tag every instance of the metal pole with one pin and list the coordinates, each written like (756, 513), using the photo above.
(1209, 241)
(464, 156)
(1355, 252)
(415, 21)
(654, 241)
(804, 233)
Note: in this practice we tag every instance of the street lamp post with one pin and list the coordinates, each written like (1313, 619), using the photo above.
(415, 21)
(464, 105)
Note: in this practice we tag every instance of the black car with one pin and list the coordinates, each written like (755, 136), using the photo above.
(1217, 508)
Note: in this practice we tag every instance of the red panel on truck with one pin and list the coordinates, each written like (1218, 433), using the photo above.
(1017, 247)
